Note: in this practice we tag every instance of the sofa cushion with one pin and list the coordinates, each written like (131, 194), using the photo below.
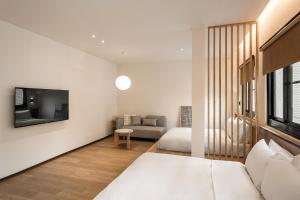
(127, 119)
(161, 120)
(149, 122)
(136, 120)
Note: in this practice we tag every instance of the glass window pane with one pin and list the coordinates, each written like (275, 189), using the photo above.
(296, 71)
(278, 93)
(296, 103)
(296, 92)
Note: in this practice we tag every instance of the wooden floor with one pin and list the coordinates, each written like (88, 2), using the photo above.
(81, 174)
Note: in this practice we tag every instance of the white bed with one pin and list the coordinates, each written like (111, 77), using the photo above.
(169, 177)
(176, 139)
(179, 139)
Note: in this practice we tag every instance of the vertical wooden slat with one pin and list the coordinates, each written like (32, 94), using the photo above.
(225, 114)
(214, 93)
(251, 86)
(220, 93)
(231, 83)
(238, 92)
(208, 93)
(244, 89)
(256, 75)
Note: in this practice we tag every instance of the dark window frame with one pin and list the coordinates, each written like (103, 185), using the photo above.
(286, 124)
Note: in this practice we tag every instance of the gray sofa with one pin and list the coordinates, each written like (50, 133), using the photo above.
(150, 132)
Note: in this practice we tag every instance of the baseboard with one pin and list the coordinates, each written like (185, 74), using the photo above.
(15, 174)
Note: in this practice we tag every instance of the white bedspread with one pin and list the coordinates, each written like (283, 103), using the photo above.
(176, 139)
(168, 177)
(231, 181)
(180, 139)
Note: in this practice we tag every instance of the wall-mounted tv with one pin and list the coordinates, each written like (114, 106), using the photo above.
(38, 106)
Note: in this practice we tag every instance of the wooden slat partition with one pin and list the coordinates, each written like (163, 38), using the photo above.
(230, 100)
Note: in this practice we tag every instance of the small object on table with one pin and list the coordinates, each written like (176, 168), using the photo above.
(122, 132)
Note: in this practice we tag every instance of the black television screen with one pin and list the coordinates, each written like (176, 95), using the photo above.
(38, 106)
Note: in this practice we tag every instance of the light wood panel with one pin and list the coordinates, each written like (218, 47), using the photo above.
(251, 86)
(78, 175)
(238, 89)
(268, 133)
(231, 91)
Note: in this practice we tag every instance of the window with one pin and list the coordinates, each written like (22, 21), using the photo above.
(284, 99)
(248, 98)
(247, 88)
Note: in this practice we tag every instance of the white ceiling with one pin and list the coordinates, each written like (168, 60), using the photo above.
(146, 30)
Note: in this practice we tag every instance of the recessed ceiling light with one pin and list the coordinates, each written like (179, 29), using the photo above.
(182, 49)
(93, 36)
(102, 41)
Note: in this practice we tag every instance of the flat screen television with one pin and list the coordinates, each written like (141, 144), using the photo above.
(38, 106)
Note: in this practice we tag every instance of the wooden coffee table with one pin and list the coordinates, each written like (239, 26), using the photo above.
(122, 132)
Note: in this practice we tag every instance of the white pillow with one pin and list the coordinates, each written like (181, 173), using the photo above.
(296, 162)
(257, 161)
(241, 128)
(127, 119)
(277, 148)
(281, 180)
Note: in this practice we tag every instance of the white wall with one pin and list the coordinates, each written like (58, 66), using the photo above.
(157, 88)
(275, 15)
(30, 60)
(199, 91)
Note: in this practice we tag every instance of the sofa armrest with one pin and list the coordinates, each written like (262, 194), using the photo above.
(119, 123)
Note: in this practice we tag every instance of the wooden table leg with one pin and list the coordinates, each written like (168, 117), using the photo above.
(116, 139)
(128, 140)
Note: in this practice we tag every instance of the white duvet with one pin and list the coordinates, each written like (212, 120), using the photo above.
(180, 139)
(176, 139)
(168, 177)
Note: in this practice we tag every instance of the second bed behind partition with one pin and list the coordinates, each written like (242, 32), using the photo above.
(179, 140)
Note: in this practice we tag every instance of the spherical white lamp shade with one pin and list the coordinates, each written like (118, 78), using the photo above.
(123, 82)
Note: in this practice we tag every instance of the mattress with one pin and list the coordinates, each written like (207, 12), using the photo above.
(170, 177)
(180, 139)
